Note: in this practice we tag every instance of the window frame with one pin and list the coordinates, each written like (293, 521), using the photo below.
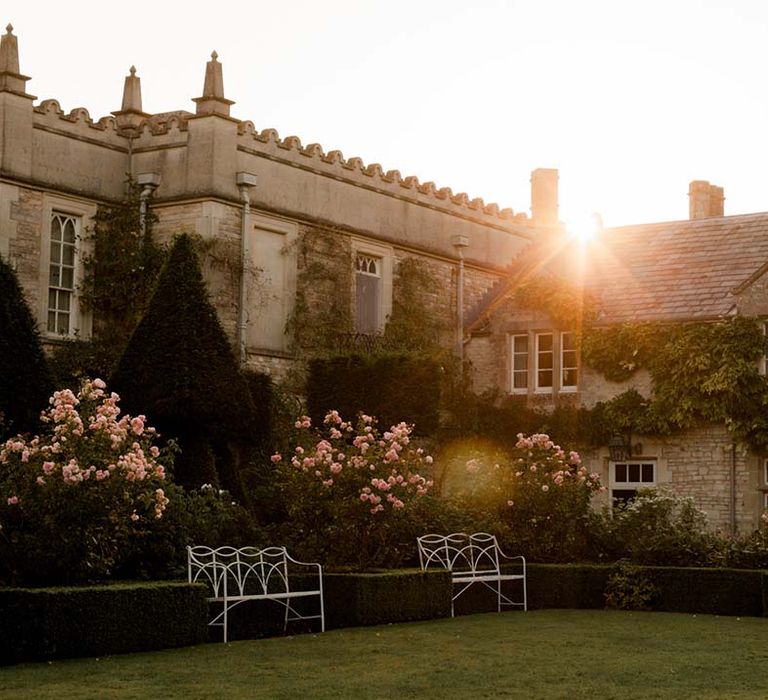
(563, 387)
(631, 484)
(512, 371)
(385, 254)
(80, 321)
(537, 387)
(763, 361)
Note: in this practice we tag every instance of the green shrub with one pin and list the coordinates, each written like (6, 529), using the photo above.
(25, 378)
(393, 387)
(660, 528)
(628, 588)
(52, 623)
(205, 516)
(179, 368)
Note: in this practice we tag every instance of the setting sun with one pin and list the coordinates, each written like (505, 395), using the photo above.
(585, 228)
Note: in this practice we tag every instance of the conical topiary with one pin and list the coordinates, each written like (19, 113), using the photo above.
(179, 370)
(25, 377)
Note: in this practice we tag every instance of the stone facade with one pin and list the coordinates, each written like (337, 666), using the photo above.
(281, 222)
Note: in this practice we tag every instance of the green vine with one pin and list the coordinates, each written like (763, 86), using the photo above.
(121, 267)
(702, 372)
(568, 305)
(412, 325)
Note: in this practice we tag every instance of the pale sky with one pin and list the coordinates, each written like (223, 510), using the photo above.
(629, 100)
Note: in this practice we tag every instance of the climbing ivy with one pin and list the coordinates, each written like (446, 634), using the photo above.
(121, 263)
(567, 304)
(701, 372)
(413, 325)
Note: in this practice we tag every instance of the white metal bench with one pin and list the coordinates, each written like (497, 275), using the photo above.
(236, 575)
(474, 558)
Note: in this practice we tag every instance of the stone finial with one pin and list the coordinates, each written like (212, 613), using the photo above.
(11, 79)
(130, 114)
(9, 52)
(132, 92)
(213, 100)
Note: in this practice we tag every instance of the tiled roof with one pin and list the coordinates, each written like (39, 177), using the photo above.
(678, 270)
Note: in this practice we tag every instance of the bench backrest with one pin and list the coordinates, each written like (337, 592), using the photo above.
(460, 552)
(239, 571)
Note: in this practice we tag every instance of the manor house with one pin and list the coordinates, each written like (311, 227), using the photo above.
(309, 247)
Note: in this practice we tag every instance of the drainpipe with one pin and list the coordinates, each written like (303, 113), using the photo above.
(460, 242)
(244, 181)
(148, 182)
(733, 489)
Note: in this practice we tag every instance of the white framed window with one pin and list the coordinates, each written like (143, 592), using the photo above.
(372, 290)
(368, 293)
(62, 256)
(763, 362)
(61, 269)
(545, 362)
(628, 476)
(569, 362)
(518, 351)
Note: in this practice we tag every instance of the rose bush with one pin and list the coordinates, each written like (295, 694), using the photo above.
(541, 495)
(353, 495)
(72, 498)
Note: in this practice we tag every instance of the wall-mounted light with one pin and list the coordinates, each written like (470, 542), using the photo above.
(620, 449)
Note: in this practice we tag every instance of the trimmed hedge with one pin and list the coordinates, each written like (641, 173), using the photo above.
(392, 388)
(575, 586)
(398, 595)
(47, 623)
(40, 624)
(709, 591)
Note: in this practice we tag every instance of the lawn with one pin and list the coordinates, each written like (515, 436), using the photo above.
(540, 654)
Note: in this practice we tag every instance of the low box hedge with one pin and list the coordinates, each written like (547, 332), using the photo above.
(46, 623)
(707, 591)
(398, 595)
(39, 624)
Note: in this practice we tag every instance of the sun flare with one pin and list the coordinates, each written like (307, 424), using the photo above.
(586, 228)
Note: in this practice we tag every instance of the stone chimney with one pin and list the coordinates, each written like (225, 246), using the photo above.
(704, 200)
(213, 100)
(544, 197)
(130, 115)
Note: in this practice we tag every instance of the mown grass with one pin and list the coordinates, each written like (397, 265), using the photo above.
(540, 654)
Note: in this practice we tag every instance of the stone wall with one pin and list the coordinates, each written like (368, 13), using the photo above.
(24, 239)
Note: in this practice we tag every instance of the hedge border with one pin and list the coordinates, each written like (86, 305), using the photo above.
(47, 623)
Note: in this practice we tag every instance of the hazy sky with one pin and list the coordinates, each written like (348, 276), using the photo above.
(629, 100)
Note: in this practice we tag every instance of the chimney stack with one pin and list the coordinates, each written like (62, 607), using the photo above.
(544, 197)
(705, 200)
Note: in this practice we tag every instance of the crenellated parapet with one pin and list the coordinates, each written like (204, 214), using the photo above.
(267, 143)
(76, 122)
